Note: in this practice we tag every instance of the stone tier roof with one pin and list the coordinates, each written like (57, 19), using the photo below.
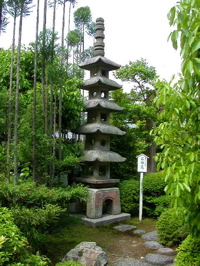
(102, 82)
(102, 61)
(98, 104)
(102, 156)
(97, 182)
(92, 128)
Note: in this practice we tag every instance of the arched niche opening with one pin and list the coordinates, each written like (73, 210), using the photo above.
(107, 206)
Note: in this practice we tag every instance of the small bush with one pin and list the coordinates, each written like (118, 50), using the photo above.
(171, 227)
(14, 247)
(155, 201)
(188, 252)
(129, 194)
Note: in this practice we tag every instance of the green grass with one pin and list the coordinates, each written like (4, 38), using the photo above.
(68, 235)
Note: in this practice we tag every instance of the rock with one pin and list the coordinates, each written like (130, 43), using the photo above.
(152, 245)
(139, 232)
(87, 253)
(130, 262)
(125, 227)
(150, 236)
(166, 251)
(158, 259)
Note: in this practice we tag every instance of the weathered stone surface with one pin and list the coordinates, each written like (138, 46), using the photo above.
(158, 259)
(150, 236)
(102, 156)
(166, 251)
(152, 245)
(125, 227)
(130, 262)
(139, 232)
(87, 253)
(96, 197)
(107, 219)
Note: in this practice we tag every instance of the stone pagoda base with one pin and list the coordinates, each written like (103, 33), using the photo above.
(103, 207)
(107, 219)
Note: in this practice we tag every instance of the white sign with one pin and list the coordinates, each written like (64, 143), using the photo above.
(142, 163)
(142, 168)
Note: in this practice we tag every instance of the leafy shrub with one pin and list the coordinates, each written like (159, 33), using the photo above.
(36, 223)
(29, 195)
(14, 247)
(189, 252)
(129, 194)
(171, 227)
(154, 199)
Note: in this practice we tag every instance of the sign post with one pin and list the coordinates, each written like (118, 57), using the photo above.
(142, 168)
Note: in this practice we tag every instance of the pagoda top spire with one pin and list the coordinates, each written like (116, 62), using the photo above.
(99, 37)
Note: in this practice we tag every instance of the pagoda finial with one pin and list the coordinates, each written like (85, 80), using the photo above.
(99, 37)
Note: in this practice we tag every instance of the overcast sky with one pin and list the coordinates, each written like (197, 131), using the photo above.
(134, 29)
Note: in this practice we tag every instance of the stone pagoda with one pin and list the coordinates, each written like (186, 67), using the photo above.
(103, 195)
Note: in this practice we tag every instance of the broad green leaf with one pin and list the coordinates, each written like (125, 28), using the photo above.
(187, 187)
(196, 46)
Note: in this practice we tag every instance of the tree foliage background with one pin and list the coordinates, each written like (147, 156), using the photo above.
(179, 134)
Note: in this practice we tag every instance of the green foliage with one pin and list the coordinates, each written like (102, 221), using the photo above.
(14, 247)
(171, 227)
(36, 223)
(137, 118)
(155, 200)
(129, 195)
(142, 75)
(82, 17)
(179, 135)
(188, 252)
(68, 263)
(28, 194)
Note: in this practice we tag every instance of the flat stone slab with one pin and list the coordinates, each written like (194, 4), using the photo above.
(125, 227)
(152, 245)
(130, 262)
(150, 236)
(167, 251)
(139, 232)
(107, 219)
(158, 259)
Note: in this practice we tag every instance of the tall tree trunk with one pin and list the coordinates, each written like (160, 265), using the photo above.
(34, 163)
(17, 98)
(61, 84)
(44, 67)
(69, 22)
(10, 100)
(51, 166)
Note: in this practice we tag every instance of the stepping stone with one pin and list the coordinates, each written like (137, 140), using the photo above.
(158, 259)
(130, 262)
(152, 245)
(166, 251)
(125, 227)
(139, 232)
(150, 236)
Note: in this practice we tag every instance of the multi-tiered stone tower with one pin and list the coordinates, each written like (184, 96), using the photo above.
(103, 195)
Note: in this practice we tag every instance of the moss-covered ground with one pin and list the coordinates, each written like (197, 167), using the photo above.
(116, 244)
